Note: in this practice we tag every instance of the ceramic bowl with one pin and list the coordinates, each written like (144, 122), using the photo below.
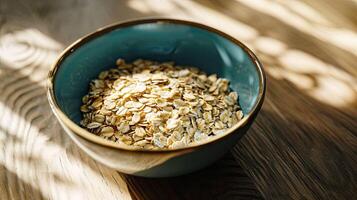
(185, 43)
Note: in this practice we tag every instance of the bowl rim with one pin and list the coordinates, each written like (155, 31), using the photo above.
(66, 121)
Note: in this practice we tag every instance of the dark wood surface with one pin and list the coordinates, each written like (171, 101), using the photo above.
(303, 144)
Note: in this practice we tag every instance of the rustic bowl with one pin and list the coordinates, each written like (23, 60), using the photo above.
(186, 43)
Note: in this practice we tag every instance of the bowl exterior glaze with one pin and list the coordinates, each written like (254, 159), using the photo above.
(186, 43)
(158, 164)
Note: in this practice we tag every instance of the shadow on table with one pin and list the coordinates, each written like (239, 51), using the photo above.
(225, 179)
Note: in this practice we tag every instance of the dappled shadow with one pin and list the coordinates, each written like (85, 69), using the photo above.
(301, 146)
(273, 27)
(34, 140)
(66, 21)
(13, 187)
(342, 13)
(298, 147)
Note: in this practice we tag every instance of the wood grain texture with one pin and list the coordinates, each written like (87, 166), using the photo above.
(303, 144)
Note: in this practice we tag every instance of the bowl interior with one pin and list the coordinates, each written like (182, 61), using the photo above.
(181, 43)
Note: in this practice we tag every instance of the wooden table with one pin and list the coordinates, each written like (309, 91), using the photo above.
(302, 146)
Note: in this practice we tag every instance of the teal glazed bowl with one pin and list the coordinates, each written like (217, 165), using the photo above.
(185, 43)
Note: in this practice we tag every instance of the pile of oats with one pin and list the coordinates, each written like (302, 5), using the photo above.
(155, 105)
